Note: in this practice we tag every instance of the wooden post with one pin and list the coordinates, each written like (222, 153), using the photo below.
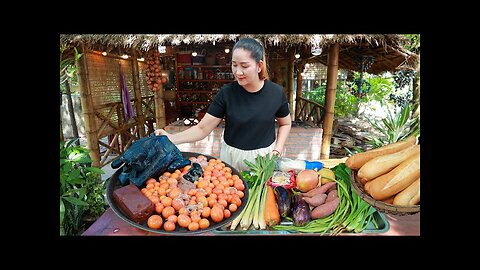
(300, 67)
(87, 108)
(332, 74)
(290, 81)
(138, 94)
(160, 118)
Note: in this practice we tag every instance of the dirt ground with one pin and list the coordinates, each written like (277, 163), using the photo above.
(350, 132)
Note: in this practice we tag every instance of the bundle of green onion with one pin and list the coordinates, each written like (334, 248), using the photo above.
(256, 179)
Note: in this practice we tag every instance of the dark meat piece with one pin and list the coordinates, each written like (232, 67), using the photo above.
(131, 200)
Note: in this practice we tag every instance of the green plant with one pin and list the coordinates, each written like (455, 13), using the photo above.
(81, 188)
(68, 67)
(347, 104)
(395, 127)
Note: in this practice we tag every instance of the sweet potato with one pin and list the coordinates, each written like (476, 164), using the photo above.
(313, 192)
(325, 209)
(332, 195)
(316, 200)
(319, 190)
(333, 187)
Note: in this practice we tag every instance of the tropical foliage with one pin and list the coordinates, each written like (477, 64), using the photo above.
(346, 103)
(395, 127)
(81, 188)
(68, 68)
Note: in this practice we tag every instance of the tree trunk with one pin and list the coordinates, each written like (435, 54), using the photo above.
(61, 126)
(71, 112)
(416, 95)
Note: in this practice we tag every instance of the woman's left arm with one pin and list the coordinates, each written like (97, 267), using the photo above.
(284, 126)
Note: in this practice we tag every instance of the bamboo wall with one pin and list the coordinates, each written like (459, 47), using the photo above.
(105, 88)
(104, 77)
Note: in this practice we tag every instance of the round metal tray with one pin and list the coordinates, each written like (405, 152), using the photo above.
(113, 184)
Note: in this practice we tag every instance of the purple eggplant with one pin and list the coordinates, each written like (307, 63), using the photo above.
(284, 200)
(300, 211)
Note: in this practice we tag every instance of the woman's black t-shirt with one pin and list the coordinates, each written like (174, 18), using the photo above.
(249, 117)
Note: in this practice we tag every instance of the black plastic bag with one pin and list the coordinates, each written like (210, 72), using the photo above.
(148, 157)
(194, 172)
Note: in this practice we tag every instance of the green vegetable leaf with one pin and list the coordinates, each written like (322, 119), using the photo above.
(95, 170)
(74, 200)
(62, 211)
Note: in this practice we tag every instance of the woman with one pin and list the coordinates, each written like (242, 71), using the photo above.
(249, 105)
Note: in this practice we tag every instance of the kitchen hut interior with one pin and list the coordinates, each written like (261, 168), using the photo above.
(195, 73)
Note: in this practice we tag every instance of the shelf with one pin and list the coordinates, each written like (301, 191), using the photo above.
(197, 91)
(205, 80)
(193, 102)
(204, 66)
(198, 83)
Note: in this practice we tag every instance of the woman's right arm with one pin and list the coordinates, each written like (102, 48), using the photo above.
(195, 133)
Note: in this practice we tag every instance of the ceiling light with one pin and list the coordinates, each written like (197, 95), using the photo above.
(316, 51)
(194, 53)
(227, 50)
(104, 53)
(125, 56)
(162, 49)
(297, 55)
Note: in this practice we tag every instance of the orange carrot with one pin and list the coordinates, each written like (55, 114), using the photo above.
(271, 214)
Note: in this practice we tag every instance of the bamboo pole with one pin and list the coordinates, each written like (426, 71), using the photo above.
(138, 94)
(290, 80)
(299, 87)
(87, 108)
(332, 74)
(160, 118)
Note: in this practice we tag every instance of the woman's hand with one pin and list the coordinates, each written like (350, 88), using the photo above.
(276, 152)
(159, 132)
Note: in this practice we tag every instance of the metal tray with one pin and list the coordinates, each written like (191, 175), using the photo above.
(381, 220)
(113, 184)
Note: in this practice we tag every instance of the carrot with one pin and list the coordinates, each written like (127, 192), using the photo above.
(271, 214)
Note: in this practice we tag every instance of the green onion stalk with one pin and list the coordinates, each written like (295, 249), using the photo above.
(260, 171)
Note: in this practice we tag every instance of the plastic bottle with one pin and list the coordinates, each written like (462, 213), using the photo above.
(297, 165)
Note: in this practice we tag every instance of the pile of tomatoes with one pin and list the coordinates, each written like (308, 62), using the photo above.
(217, 195)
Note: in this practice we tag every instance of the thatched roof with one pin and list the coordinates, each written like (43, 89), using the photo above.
(387, 50)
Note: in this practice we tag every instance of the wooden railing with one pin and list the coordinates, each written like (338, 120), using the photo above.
(121, 134)
(309, 111)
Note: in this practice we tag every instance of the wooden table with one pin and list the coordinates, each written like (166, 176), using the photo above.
(110, 224)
